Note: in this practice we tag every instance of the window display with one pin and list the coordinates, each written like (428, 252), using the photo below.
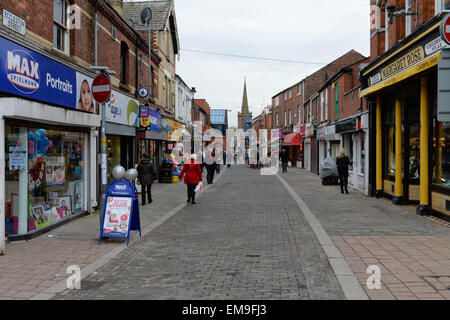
(44, 176)
(441, 146)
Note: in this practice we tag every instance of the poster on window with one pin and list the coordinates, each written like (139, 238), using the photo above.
(55, 172)
(117, 217)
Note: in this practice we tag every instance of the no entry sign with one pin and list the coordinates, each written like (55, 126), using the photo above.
(101, 88)
(445, 29)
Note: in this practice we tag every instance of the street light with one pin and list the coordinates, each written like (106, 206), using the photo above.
(146, 18)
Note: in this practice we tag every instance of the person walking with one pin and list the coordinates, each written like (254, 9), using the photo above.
(211, 168)
(342, 163)
(284, 159)
(192, 174)
(146, 176)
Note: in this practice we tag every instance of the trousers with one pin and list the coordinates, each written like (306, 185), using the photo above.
(191, 192)
(146, 190)
(343, 180)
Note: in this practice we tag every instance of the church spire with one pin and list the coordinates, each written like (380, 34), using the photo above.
(244, 109)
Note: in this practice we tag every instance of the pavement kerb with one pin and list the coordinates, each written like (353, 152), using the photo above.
(346, 278)
(89, 269)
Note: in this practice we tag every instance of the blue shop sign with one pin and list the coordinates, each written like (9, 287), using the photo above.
(155, 120)
(26, 73)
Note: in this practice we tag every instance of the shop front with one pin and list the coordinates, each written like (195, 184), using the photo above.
(353, 132)
(122, 120)
(151, 139)
(49, 144)
(411, 155)
(311, 149)
(293, 143)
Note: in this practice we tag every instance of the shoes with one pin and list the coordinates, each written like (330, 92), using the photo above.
(342, 192)
(346, 191)
(189, 200)
(193, 202)
(150, 201)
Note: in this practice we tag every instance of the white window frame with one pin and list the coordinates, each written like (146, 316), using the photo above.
(285, 117)
(440, 7)
(299, 89)
(299, 114)
(290, 93)
(64, 25)
(277, 101)
(326, 104)
(408, 20)
(290, 117)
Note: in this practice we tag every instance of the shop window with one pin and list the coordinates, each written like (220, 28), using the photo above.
(362, 163)
(414, 151)
(60, 30)
(391, 151)
(441, 144)
(441, 5)
(44, 177)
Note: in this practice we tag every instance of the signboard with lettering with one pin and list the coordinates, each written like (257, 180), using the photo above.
(144, 116)
(28, 74)
(13, 22)
(121, 211)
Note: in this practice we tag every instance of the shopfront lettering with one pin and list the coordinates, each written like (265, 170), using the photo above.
(23, 71)
(403, 63)
(58, 84)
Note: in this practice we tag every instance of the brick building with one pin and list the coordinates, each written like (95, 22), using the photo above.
(401, 88)
(295, 111)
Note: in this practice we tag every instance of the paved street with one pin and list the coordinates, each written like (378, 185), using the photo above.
(247, 237)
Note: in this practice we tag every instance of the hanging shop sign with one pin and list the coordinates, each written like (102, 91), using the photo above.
(165, 124)
(143, 92)
(122, 109)
(121, 211)
(28, 74)
(155, 120)
(144, 116)
(309, 130)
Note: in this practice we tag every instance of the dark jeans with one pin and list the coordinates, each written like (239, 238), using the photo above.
(211, 169)
(218, 168)
(284, 166)
(146, 189)
(191, 192)
(343, 180)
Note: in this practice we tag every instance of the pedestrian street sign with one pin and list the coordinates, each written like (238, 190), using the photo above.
(121, 211)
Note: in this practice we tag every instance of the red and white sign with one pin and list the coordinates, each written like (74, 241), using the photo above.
(101, 88)
(445, 29)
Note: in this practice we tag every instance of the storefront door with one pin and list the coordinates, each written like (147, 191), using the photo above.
(411, 148)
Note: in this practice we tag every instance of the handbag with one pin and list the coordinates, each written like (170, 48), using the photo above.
(199, 187)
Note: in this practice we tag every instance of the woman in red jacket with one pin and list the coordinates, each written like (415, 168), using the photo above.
(192, 174)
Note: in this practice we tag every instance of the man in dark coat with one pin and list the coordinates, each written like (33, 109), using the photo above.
(342, 163)
(211, 168)
(284, 159)
(146, 176)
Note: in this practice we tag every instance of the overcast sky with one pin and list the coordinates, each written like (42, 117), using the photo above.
(302, 30)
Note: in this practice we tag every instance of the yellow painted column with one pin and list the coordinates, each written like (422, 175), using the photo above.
(379, 155)
(424, 178)
(398, 150)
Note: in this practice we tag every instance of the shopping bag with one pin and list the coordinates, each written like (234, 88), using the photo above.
(199, 188)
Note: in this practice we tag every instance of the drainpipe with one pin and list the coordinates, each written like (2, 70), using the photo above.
(95, 32)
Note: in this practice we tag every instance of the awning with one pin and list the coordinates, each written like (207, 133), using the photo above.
(292, 139)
